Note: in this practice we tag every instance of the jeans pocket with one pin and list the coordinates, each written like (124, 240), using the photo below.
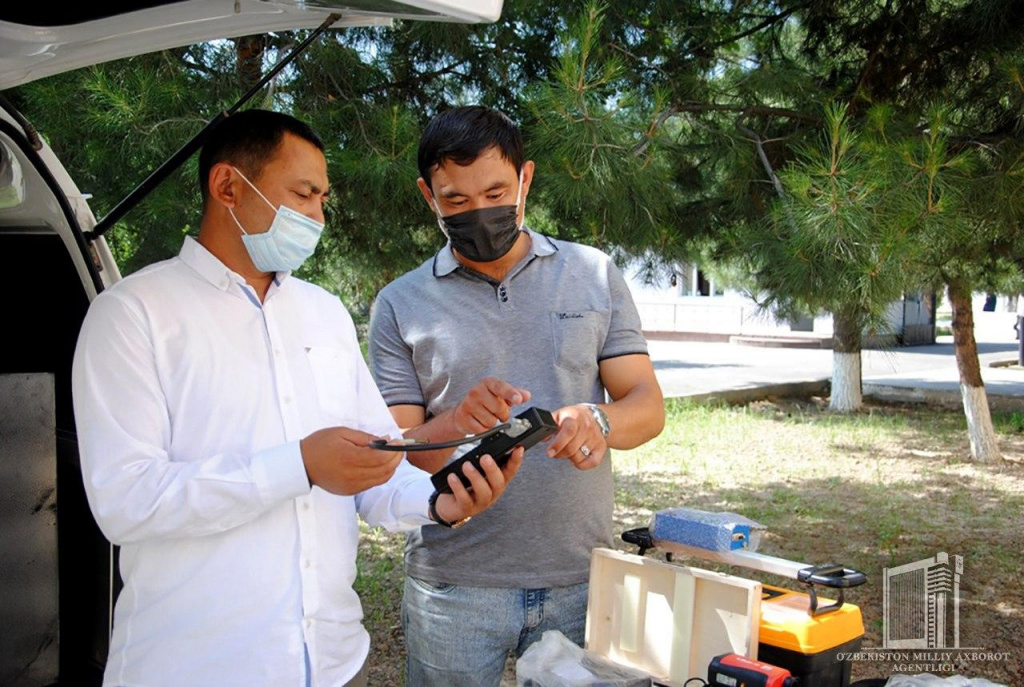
(431, 587)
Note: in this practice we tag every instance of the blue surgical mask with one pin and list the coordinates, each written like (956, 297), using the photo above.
(291, 239)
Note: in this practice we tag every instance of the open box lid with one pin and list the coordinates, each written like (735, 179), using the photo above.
(668, 620)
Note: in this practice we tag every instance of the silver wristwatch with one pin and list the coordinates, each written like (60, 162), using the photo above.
(600, 417)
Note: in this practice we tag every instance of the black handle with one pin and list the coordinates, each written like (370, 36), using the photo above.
(640, 537)
(832, 575)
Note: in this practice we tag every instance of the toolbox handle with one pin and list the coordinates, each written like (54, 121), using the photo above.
(815, 610)
(640, 537)
(831, 575)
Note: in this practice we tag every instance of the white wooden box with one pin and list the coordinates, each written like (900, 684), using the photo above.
(668, 620)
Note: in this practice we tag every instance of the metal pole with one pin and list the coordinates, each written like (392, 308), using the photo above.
(1020, 339)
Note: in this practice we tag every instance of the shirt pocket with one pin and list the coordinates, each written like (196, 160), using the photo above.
(334, 376)
(576, 337)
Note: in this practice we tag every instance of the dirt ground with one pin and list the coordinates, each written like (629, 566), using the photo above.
(884, 487)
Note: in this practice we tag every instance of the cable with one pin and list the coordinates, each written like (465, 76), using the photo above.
(384, 445)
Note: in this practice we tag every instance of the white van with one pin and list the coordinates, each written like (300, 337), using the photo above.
(57, 578)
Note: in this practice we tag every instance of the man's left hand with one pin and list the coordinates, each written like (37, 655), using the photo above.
(579, 438)
(485, 488)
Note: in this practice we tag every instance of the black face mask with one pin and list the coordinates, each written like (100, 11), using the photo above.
(485, 234)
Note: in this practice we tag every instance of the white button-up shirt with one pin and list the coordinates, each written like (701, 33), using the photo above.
(190, 398)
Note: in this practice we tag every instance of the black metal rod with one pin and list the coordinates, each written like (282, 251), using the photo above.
(196, 142)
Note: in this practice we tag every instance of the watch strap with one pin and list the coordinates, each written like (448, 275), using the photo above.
(600, 417)
(432, 510)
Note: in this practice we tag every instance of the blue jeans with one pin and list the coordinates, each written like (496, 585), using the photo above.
(460, 636)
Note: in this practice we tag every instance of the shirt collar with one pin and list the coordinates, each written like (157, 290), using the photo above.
(445, 261)
(210, 268)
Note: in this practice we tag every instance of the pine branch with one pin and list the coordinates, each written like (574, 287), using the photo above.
(753, 136)
(653, 67)
(196, 66)
(415, 78)
(747, 110)
(774, 19)
(659, 122)
(174, 120)
(282, 53)
(869, 63)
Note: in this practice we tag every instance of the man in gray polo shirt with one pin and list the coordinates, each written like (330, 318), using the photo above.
(502, 318)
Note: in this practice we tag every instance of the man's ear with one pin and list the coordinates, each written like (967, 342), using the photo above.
(427, 195)
(223, 184)
(527, 174)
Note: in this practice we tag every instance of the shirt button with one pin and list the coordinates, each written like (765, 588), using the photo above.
(306, 563)
(305, 505)
(504, 299)
(287, 399)
(308, 623)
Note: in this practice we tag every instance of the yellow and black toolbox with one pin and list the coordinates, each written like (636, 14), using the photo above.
(813, 647)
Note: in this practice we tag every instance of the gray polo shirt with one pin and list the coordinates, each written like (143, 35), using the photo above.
(436, 331)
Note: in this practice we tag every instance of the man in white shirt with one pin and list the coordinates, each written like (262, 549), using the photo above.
(224, 417)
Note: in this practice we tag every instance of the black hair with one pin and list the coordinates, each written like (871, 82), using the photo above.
(463, 133)
(248, 140)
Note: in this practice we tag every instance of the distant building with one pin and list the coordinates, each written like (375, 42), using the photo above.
(689, 304)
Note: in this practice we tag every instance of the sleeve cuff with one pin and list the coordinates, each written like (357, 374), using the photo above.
(280, 474)
(413, 507)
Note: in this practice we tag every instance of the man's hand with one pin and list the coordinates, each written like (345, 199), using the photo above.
(485, 488)
(339, 460)
(487, 404)
(579, 438)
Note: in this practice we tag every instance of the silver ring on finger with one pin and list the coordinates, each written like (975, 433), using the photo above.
(585, 451)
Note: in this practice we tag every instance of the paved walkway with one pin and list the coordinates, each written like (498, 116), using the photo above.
(696, 369)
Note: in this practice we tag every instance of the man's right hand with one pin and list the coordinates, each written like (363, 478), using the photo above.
(339, 460)
(486, 405)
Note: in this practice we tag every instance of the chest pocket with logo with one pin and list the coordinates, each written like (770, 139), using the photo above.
(334, 375)
(577, 336)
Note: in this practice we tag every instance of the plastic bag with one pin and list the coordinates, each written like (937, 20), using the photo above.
(929, 680)
(555, 661)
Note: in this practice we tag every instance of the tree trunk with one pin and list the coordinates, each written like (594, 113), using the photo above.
(847, 395)
(984, 446)
(249, 53)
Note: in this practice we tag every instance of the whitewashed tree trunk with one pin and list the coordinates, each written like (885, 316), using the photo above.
(847, 394)
(980, 432)
(846, 383)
